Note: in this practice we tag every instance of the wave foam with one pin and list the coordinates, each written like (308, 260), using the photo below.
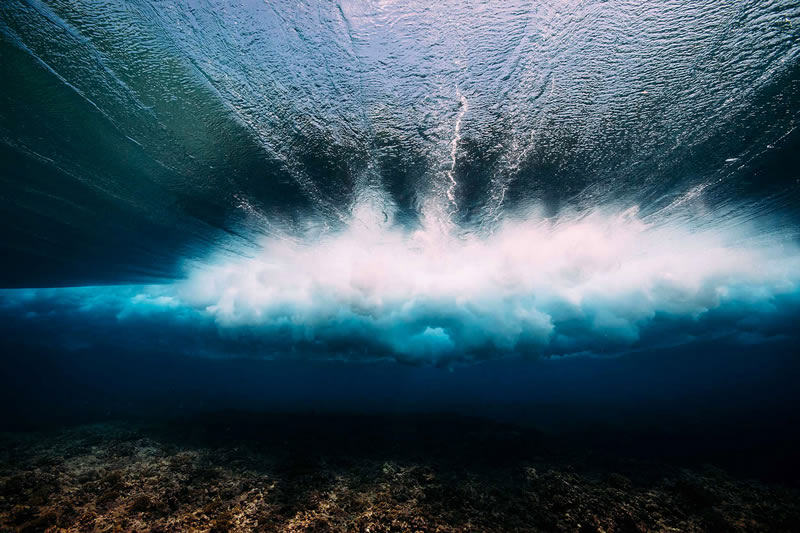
(601, 284)
(594, 284)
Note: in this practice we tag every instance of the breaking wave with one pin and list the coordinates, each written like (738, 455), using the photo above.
(434, 184)
(598, 283)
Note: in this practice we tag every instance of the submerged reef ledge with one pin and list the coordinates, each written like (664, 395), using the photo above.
(245, 472)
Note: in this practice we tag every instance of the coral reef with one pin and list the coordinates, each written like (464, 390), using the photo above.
(326, 473)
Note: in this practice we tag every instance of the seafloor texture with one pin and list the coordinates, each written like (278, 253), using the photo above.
(322, 473)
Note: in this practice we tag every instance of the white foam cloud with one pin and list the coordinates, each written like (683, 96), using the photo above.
(594, 283)
(601, 284)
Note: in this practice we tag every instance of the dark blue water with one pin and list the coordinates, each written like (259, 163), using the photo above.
(582, 216)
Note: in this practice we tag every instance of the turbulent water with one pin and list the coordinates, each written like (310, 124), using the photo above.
(426, 182)
(399, 265)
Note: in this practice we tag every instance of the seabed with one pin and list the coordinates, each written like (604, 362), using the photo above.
(237, 471)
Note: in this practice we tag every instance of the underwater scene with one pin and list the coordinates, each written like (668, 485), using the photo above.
(397, 265)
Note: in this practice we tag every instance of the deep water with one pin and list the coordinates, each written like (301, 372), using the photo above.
(579, 220)
(719, 402)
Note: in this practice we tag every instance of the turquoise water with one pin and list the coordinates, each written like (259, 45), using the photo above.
(572, 213)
